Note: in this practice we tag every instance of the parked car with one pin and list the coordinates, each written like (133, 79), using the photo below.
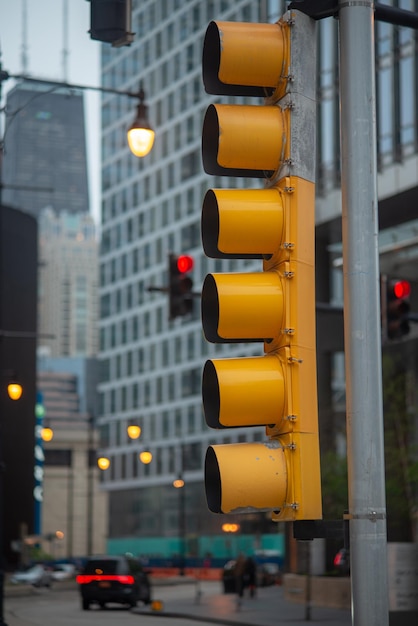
(119, 579)
(268, 574)
(37, 575)
(342, 562)
(63, 571)
(228, 577)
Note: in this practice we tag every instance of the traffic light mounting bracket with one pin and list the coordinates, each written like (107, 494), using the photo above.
(307, 530)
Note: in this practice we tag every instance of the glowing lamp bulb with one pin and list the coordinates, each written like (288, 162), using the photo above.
(140, 141)
(47, 434)
(134, 431)
(145, 457)
(14, 391)
(103, 463)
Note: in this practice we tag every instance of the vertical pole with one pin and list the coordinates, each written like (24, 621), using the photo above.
(308, 595)
(367, 507)
(90, 485)
(182, 528)
(70, 510)
(182, 513)
(2, 622)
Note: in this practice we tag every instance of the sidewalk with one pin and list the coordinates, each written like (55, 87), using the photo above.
(206, 603)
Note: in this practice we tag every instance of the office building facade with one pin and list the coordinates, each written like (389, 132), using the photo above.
(73, 504)
(68, 284)
(150, 366)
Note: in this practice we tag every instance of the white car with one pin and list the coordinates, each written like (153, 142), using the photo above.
(63, 571)
(37, 575)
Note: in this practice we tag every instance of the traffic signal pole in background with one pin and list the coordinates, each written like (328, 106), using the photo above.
(180, 288)
(395, 308)
(365, 448)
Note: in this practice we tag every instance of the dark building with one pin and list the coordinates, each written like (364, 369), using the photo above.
(18, 294)
(45, 150)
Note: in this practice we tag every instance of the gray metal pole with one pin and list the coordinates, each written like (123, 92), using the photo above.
(367, 507)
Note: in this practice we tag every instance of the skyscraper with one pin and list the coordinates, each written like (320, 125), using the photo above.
(45, 160)
(45, 174)
(68, 275)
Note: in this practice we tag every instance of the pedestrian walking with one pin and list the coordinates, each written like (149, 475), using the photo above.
(239, 572)
(250, 571)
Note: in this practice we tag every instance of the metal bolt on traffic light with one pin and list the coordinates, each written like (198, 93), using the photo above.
(180, 288)
(274, 141)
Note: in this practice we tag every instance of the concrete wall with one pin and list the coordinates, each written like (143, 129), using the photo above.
(325, 591)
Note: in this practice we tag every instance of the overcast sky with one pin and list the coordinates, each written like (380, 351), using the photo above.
(43, 45)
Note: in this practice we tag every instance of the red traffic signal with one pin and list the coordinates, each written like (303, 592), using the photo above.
(401, 289)
(180, 285)
(184, 263)
(396, 308)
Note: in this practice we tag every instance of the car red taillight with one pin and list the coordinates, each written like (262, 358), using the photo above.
(85, 579)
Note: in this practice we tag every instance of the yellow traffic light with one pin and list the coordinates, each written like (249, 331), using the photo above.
(241, 223)
(232, 152)
(257, 68)
(274, 140)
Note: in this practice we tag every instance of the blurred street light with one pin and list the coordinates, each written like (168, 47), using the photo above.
(103, 463)
(134, 431)
(145, 457)
(47, 434)
(140, 135)
(14, 390)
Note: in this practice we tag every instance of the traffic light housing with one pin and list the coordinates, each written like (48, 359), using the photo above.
(180, 285)
(395, 307)
(274, 141)
(111, 21)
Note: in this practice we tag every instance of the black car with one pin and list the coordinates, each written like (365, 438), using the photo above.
(119, 579)
(268, 574)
